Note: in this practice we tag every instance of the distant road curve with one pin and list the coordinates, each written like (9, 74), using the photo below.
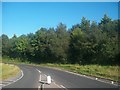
(61, 78)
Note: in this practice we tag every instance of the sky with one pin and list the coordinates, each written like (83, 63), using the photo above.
(0, 18)
(27, 17)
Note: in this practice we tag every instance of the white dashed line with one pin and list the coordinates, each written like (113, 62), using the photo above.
(38, 70)
(62, 86)
(112, 82)
(40, 78)
(57, 85)
(45, 75)
(40, 75)
(38, 87)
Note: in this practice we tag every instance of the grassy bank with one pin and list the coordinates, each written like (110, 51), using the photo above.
(12, 60)
(8, 71)
(107, 72)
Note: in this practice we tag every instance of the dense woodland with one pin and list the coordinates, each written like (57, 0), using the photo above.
(85, 43)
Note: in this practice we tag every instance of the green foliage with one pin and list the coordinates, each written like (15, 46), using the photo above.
(84, 43)
(5, 44)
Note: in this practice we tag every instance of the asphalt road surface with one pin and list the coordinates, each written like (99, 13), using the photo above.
(60, 78)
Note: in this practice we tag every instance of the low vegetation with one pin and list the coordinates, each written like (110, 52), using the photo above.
(8, 71)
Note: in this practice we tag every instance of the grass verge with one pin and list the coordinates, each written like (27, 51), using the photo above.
(8, 71)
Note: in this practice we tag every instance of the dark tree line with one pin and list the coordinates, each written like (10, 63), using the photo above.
(85, 43)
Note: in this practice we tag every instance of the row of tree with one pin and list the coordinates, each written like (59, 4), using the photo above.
(85, 43)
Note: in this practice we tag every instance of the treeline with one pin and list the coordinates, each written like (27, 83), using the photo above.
(85, 43)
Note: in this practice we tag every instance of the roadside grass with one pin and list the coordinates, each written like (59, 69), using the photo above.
(8, 71)
(14, 61)
(100, 71)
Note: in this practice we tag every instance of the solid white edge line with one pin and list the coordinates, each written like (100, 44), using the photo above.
(15, 80)
(91, 78)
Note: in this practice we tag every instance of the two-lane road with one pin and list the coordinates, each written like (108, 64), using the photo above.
(61, 78)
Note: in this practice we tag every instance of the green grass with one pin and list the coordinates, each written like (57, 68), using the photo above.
(8, 71)
(13, 60)
(107, 72)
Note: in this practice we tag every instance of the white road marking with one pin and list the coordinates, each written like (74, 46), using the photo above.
(16, 79)
(62, 86)
(40, 75)
(107, 82)
(57, 85)
(38, 87)
(45, 75)
(112, 82)
(0, 88)
(90, 78)
(38, 70)
(40, 78)
(2, 85)
(99, 79)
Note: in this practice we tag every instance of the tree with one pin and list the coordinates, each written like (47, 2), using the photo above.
(94, 26)
(105, 23)
(21, 46)
(78, 38)
(39, 44)
(85, 24)
(62, 43)
(5, 45)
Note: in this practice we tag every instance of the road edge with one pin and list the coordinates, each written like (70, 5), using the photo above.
(14, 79)
(86, 76)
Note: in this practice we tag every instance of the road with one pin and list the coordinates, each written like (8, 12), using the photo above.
(60, 78)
